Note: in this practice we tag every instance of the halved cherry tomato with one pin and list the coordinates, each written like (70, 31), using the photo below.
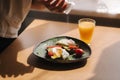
(50, 53)
(79, 52)
(73, 47)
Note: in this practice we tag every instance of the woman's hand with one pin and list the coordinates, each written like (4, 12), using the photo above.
(54, 5)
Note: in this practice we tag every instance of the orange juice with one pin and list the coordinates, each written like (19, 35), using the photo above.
(86, 29)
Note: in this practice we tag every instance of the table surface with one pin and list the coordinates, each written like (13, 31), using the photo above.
(17, 62)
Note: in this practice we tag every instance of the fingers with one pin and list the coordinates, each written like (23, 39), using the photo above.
(58, 5)
(62, 6)
(54, 3)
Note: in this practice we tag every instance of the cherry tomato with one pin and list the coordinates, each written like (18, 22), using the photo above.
(50, 53)
(79, 52)
(73, 47)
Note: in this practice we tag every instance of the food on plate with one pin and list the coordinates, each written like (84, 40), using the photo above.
(66, 42)
(79, 52)
(57, 52)
(63, 49)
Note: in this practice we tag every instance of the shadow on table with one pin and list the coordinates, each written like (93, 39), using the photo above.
(38, 62)
(9, 66)
(108, 66)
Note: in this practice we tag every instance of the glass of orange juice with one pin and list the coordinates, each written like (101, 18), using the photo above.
(86, 28)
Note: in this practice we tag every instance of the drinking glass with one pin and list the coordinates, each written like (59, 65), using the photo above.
(70, 4)
(86, 28)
